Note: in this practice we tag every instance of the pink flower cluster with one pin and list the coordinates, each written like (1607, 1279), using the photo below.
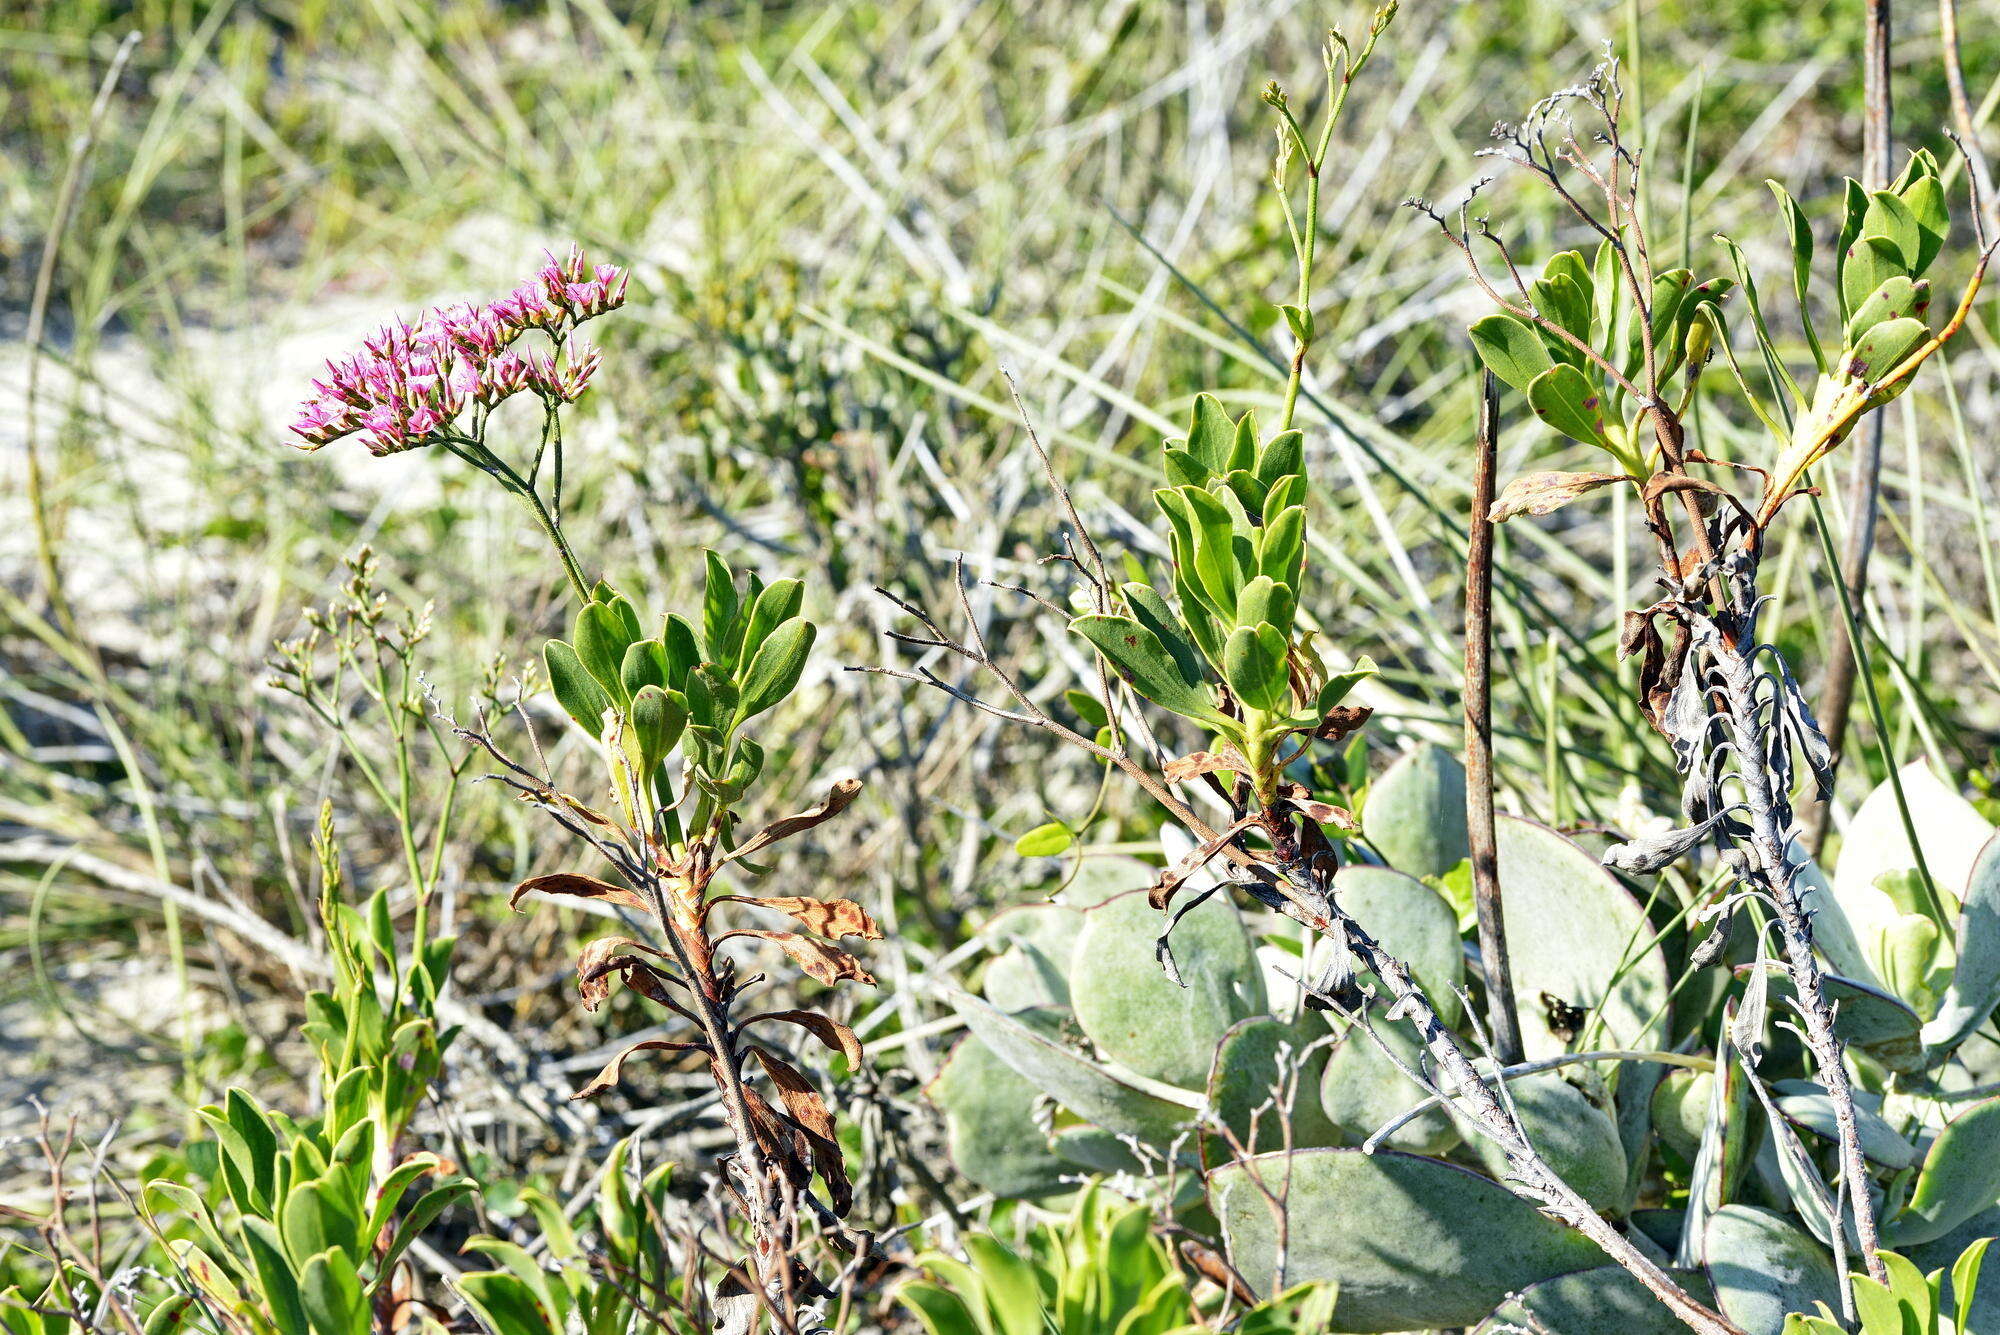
(409, 383)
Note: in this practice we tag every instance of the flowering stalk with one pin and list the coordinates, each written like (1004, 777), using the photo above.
(438, 382)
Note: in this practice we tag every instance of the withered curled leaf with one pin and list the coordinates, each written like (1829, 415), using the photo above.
(829, 964)
(809, 1110)
(831, 918)
(1182, 768)
(576, 886)
(1172, 878)
(838, 798)
(614, 1069)
(604, 957)
(1544, 492)
(1320, 813)
(1342, 720)
(825, 1028)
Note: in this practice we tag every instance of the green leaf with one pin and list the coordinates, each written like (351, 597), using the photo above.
(1854, 206)
(1253, 663)
(1150, 610)
(1562, 300)
(1871, 262)
(683, 650)
(1510, 349)
(1211, 435)
(330, 1291)
(1564, 398)
(645, 665)
(1896, 298)
(1965, 1282)
(1340, 683)
(576, 689)
(1300, 321)
(775, 670)
(1284, 455)
(658, 716)
(1926, 201)
(412, 1225)
(1138, 656)
(1884, 348)
(1281, 547)
(316, 1216)
(718, 612)
(1045, 841)
(1012, 1292)
(1960, 1177)
(1570, 264)
(939, 1309)
(1265, 600)
(599, 639)
(774, 606)
(1890, 219)
(505, 1304)
(1799, 232)
(274, 1276)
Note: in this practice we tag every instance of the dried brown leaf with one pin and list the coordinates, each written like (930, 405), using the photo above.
(1541, 493)
(577, 887)
(829, 964)
(838, 798)
(1182, 768)
(1172, 878)
(825, 1028)
(614, 1069)
(809, 1110)
(831, 918)
(606, 956)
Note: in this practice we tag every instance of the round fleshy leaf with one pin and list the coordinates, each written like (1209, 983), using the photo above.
(1135, 1013)
(990, 1124)
(1951, 831)
(1763, 1268)
(1363, 1089)
(1867, 1017)
(1960, 1178)
(1029, 1044)
(1975, 981)
(1025, 978)
(1249, 1087)
(1808, 1106)
(1412, 1243)
(1577, 937)
(1412, 922)
(1604, 1301)
(1578, 1138)
(1415, 814)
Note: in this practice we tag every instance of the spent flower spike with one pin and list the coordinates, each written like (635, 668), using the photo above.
(409, 384)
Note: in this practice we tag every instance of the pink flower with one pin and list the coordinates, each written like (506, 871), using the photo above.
(408, 385)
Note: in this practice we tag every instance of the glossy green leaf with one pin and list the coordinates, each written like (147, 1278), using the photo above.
(1045, 841)
(776, 667)
(1253, 663)
(1137, 655)
(1510, 349)
(576, 690)
(330, 1292)
(1564, 397)
(1871, 262)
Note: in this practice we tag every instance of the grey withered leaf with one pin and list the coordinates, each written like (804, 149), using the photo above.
(1655, 852)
